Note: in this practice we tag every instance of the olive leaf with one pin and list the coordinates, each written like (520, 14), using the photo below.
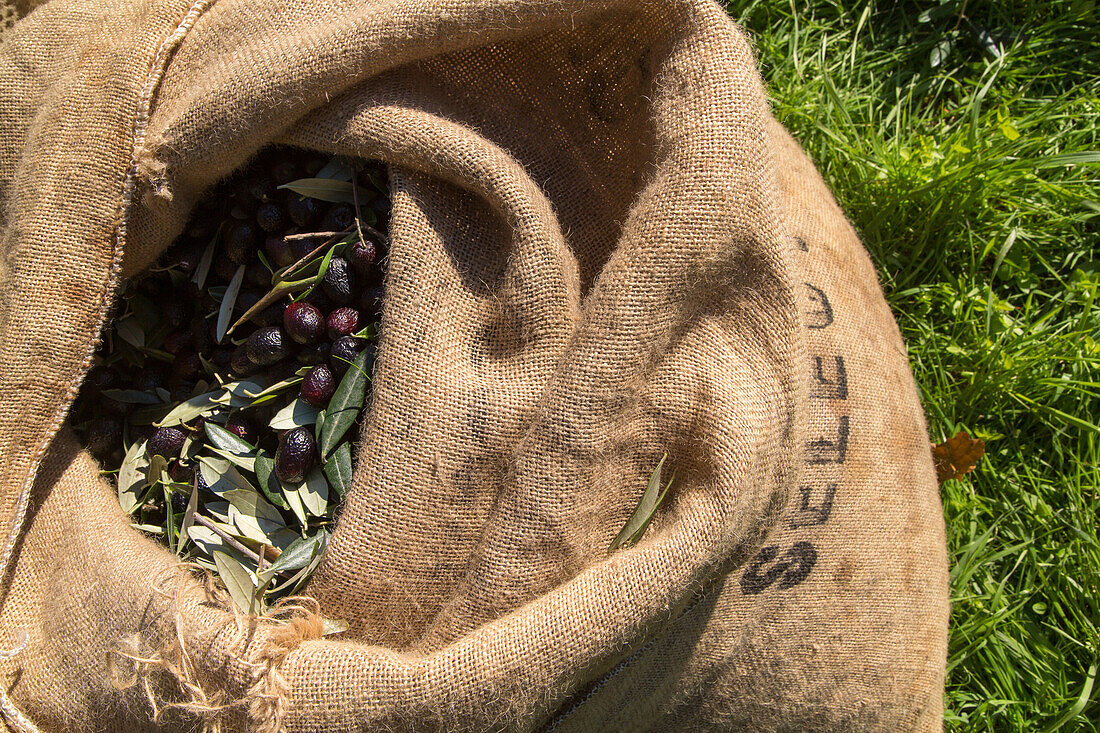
(238, 581)
(132, 396)
(227, 441)
(643, 514)
(169, 515)
(220, 476)
(203, 268)
(280, 386)
(338, 469)
(297, 555)
(190, 409)
(228, 301)
(346, 402)
(238, 394)
(188, 516)
(130, 331)
(322, 189)
(294, 500)
(131, 476)
(314, 492)
(294, 415)
(206, 539)
(338, 168)
(154, 472)
(248, 463)
(256, 519)
(268, 481)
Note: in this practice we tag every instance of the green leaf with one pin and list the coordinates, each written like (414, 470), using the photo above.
(188, 516)
(203, 268)
(314, 492)
(346, 402)
(248, 463)
(130, 331)
(338, 469)
(294, 415)
(338, 168)
(225, 313)
(155, 471)
(220, 476)
(146, 313)
(297, 555)
(238, 581)
(294, 500)
(322, 189)
(256, 519)
(227, 441)
(190, 409)
(269, 482)
(207, 540)
(132, 396)
(238, 394)
(643, 514)
(131, 476)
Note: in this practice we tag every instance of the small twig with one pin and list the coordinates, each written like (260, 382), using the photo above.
(228, 539)
(316, 251)
(355, 200)
(312, 235)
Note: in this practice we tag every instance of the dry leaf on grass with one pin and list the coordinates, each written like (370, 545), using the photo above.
(957, 456)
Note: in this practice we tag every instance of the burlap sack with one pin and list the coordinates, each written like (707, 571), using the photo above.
(603, 248)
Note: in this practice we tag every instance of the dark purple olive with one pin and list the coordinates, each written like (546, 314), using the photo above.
(362, 256)
(370, 299)
(150, 378)
(295, 456)
(318, 386)
(259, 187)
(303, 322)
(186, 366)
(241, 241)
(272, 218)
(344, 351)
(166, 442)
(179, 499)
(342, 322)
(174, 310)
(178, 341)
(283, 171)
(338, 218)
(257, 275)
(246, 300)
(271, 315)
(302, 247)
(240, 426)
(104, 436)
(314, 353)
(338, 283)
(239, 363)
(185, 257)
(180, 472)
(302, 210)
(279, 251)
(267, 346)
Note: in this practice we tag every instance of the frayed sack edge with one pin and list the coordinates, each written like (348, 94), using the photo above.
(165, 652)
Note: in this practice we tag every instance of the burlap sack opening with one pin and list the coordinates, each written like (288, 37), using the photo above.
(603, 248)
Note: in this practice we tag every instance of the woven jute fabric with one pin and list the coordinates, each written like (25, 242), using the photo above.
(603, 249)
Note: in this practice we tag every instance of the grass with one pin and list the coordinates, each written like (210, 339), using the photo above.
(962, 140)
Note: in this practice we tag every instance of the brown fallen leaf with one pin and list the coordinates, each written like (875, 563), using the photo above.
(957, 456)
